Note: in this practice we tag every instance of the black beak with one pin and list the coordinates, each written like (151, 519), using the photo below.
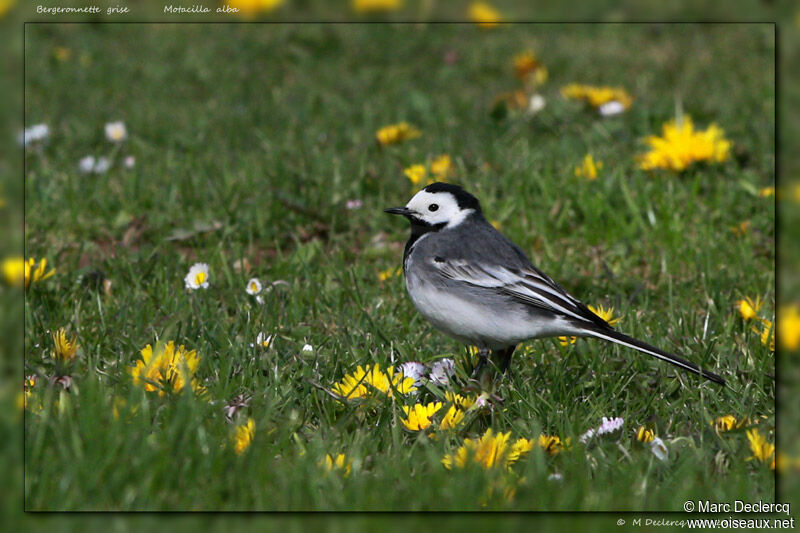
(398, 211)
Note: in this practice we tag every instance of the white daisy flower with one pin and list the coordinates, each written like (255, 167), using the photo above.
(610, 425)
(262, 341)
(555, 476)
(413, 370)
(102, 165)
(307, 348)
(197, 278)
(116, 131)
(86, 164)
(253, 286)
(586, 435)
(536, 104)
(659, 449)
(36, 133)
(260, 300)
(441, 371)
(609, 109)
(129, 162)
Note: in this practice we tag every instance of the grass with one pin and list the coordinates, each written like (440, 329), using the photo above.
(250, 139)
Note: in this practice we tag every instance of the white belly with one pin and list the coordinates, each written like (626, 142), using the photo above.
(471, 322)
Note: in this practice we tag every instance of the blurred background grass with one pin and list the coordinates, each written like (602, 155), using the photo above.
(10, 164)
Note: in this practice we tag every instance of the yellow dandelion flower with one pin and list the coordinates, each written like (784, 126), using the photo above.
(681, 145)
(397, 133)
(383, 275)
(416, 174)
(418, 416)
(524, 64)
(166, 369)
(244, 435)
(741, 229)
(644, 434)
(597, 96)
(762, 450)
(340, 464)
(519, 448)
(488, 451)
(721, 424)
(589, 168)
(484, 14)
(789, 327)
(497, 225)
(452, 419)
(441, 167)
(765, 192)
(605, 314)
(748, 308)
(65, 349)
(375, 6)
(363, 383)
(459, 401)
(19, 272)
(249, 8)
(551, 444)
(767, 334)
(566, 341)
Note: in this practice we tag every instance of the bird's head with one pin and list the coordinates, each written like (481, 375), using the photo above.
(438, 205)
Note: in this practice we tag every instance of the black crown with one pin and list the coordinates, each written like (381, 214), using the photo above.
(465, 200)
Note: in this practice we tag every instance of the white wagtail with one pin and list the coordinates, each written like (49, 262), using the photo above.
(472, 283)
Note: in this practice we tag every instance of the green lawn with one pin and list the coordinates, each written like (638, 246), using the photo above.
(249, 140)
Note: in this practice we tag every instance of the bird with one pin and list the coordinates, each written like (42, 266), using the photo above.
(474, 284)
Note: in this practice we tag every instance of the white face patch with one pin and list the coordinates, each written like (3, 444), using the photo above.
(437, 208)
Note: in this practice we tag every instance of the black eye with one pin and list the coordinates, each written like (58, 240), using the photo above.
(433, 207)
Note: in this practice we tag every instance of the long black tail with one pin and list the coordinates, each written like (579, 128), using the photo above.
(620, 338)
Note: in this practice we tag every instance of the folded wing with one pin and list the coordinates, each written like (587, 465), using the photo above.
(528, 286)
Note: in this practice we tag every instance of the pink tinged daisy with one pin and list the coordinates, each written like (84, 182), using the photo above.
(253, 287)
(116, 131)
(413, 370)
(197, 278)
(441, 371)
(129, 162)
(659, 449)
(610, 425)
(354, 204)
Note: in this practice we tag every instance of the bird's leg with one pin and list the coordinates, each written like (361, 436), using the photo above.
(502, 358)
(483, 356)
